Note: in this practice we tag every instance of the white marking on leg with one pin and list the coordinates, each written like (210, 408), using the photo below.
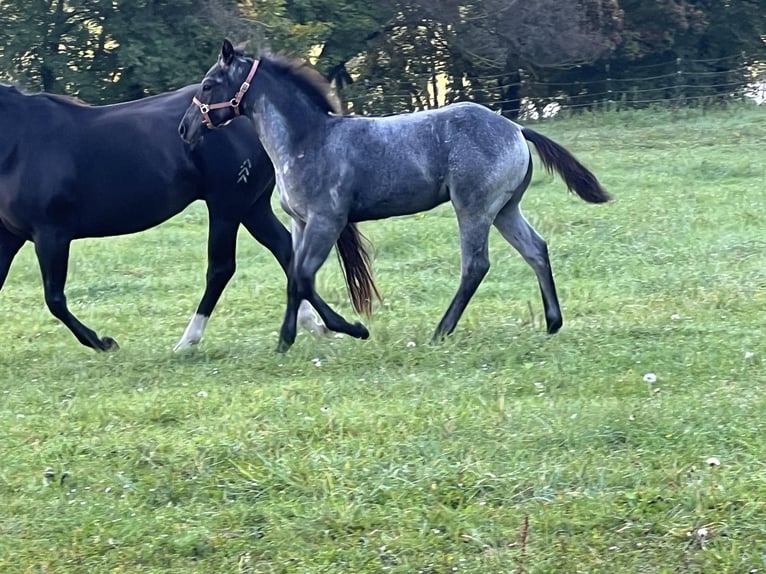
(308, 319)
(193, 332)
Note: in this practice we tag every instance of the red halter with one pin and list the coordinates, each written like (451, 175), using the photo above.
(232, 103)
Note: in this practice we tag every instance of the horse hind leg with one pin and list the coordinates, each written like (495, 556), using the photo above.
(53, 256)
(474, 250)
(9, 247)
(532, 247)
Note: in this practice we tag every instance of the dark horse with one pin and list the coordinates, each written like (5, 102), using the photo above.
(332, 170)
(69, 171)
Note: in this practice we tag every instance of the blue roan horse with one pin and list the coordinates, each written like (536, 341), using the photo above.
(68, 171)
(332, 170)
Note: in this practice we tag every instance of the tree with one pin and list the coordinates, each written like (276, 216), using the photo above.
(46, 42)
(107, 50)
(678, 48)
(424, 52)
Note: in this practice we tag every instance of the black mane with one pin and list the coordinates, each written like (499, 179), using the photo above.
(305, 79)
(19, 90)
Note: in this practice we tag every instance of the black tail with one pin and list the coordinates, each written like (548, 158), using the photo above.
(352, 248)
(576, 176)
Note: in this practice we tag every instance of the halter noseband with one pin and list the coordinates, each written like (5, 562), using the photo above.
(232, 103)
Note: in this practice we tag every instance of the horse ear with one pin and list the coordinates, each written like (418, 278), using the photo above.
(227, 52)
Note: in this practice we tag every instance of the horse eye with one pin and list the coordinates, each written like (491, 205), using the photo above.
(207, 87)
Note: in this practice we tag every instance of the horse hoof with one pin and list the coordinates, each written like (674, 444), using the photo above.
(361, 331)
(283, 346)
(109, 344)
(555, 325)
(184, 344)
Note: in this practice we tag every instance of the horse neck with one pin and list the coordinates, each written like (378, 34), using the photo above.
(287, 121)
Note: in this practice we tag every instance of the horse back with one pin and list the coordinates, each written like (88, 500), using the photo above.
(96, 171)
(122, 168)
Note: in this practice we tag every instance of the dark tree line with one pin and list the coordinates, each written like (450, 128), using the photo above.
(391, 55)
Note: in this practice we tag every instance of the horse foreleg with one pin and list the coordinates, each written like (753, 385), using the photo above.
(53, 256)
(9, 247)
(474, 235)
(519, 233)
(221, 264)
(266, 228)
(313, 243)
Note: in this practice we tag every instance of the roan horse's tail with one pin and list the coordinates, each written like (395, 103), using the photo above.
(576, 176)
(354, 256)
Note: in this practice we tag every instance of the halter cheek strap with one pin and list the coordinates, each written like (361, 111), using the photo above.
(232, 103)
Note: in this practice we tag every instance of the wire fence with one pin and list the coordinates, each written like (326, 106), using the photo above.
(676, 82)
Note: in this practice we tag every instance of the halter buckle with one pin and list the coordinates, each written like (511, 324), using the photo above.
(204, 108)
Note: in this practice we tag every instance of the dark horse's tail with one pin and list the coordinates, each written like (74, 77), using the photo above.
(354, 256)
(576, 176)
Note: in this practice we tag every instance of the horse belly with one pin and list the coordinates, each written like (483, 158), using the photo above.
(381, 202)
(31, 198)
(119, 206)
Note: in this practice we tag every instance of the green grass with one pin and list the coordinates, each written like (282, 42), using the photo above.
(500, 450)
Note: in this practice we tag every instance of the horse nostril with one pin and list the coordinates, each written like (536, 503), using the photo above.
(182, 131)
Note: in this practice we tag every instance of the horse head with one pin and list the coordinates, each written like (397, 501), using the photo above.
(214, 105)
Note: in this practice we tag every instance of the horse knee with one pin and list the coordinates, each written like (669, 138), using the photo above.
(538, 257)
(221, 272)
(477, 267)
(56, 303)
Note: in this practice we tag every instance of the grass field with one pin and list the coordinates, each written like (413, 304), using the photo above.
(499, 450)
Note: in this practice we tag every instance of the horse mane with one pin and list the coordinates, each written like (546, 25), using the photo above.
(305, 78)
(67, 99)
(15, 88)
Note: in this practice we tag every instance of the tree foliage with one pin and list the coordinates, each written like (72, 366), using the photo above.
(387, 55)
(105, 50)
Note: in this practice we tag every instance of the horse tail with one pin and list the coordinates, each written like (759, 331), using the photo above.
(576, 176)
(353, 253)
